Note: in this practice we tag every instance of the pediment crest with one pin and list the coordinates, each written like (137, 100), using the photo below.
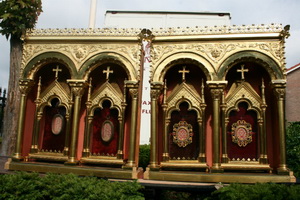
(240, 91)
(109, 90)
(55, 89)
(185, 91)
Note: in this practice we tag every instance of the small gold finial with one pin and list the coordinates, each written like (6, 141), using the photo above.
(56, 70)
(242, 70)
(107, 72)
(183, 72)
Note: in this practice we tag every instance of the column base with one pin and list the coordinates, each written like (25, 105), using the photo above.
(17, 157)
(120, 155)
(129, 165)
(166, 157)
(202, 158)
(283, 170)
(216, 169)
(225, 158)
(72, 161)
(263, 159)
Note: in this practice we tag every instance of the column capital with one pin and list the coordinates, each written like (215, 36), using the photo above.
(279, 86)
(77, 86)
(25, 85)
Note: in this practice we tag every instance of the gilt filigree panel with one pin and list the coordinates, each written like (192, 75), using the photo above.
(217, 52)
(79, 53)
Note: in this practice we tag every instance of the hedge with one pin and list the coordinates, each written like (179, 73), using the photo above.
(59, 187)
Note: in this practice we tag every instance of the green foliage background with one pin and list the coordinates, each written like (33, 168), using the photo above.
(54, 186)
(293, 147)
(144, 156)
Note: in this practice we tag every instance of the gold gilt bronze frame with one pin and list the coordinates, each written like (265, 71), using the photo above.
(243, 92)
(184, 93)
(54, 90)
(113, 94)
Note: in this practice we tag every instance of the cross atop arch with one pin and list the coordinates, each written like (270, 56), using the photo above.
(242, 71)
(56, 70)
(183, 72)
(107, 72)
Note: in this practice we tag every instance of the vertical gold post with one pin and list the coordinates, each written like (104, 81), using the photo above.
(77, 89)
(133, 90)
(216, 89)
(202, 127)
(122, 122)
(25, 86)
(224, 130)
(155, 91)
(279, 89)
(166, 122)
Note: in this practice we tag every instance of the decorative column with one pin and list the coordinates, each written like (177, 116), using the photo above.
(166, 122)
(224, 123)
(279, 90)
(88, 123)
(121, 122)
(24, 86)
(133, 90)
(262, 128)
(155, 91)
(37, 120)
(77, 87)
(216, 89)
(202, 128)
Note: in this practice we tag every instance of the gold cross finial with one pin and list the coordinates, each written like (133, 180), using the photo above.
(183, 72)
(242, 70)
(107, 72)
(56, 70)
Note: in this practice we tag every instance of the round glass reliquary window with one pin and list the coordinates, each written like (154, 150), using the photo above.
(107, 131)
(57, 124)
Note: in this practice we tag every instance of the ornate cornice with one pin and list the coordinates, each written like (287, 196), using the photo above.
(157, 32)
(84, 32)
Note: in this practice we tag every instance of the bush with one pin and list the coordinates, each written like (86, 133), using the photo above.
(265, 191)
(293, 147)
(53, 186)
(144, 157)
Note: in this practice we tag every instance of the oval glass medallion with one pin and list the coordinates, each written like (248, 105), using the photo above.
(57, 124)
(107, 131)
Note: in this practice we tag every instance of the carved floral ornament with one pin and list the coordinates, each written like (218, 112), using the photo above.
(182, 134)
(80, 52)
(216, 52)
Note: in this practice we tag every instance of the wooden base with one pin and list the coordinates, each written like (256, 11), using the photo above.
(219, 177)
(41, 167)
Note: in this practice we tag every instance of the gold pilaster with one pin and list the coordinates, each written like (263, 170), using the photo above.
(155, 92)
(166, 122)
(263, 128)
(133, 90)
(24, 86)
(88, 123)
(279, 91)
(121, 120)
(224, 130)
(77, 87)
(202, 128)
(216, 89)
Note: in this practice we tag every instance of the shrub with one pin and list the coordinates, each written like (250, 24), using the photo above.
(293, 147)
(265, 191)
(144, 157)
(53, 186)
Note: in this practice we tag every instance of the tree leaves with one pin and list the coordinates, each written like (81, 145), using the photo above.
(18, 15)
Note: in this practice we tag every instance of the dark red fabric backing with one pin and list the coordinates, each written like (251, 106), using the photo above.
(98, 145)
(251, 149)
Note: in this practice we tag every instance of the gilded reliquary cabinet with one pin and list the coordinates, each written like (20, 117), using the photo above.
(216, 93)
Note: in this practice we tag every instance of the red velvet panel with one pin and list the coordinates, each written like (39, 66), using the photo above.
(98, 145)
(251, 149)
(51, 141)
(191, 150)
